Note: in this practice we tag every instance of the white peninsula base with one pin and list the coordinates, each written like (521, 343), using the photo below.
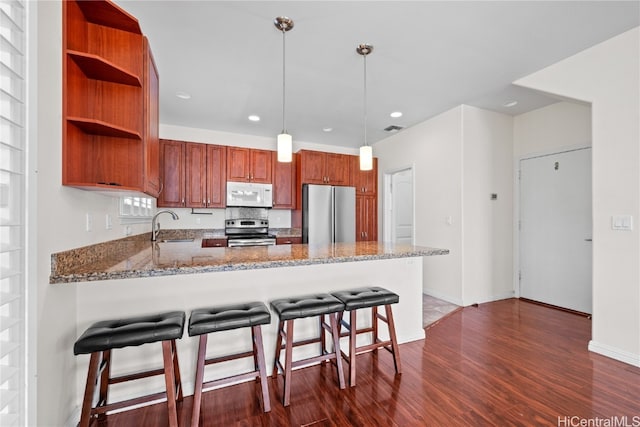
(129, 297)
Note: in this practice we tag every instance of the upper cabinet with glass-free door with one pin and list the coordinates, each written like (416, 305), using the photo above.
(317, 167)
(249, 165)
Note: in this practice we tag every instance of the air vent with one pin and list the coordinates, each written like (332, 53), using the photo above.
(393, 128)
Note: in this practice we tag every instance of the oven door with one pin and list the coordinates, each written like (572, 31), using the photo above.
(240, 242)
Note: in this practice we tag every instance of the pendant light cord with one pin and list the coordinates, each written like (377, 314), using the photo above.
(284, 129)
(365, 99)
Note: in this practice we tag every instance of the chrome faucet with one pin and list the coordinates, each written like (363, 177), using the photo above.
(155, 225)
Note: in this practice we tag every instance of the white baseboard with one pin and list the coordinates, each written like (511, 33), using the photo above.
(457, 301)
(615, 353)
(506, 295)
(442, 296)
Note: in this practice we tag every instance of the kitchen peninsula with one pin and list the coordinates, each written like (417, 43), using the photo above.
(134, 276)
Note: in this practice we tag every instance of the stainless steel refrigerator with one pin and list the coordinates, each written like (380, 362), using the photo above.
(328, 214)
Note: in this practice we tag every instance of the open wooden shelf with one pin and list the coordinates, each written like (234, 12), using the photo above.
(98, 127)
(109, 15)
(98, 68)
(110, 92)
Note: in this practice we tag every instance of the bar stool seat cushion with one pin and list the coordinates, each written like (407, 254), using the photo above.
(226, 317)
(306, 306)
(370, 296)
(132, 331)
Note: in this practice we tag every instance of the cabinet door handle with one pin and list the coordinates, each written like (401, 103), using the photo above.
(183, 201)
(208, 202)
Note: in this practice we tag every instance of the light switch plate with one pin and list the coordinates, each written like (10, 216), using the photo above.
(622, 222)
(89, 222)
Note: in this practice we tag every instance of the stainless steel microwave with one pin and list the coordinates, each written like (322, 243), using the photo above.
(249, 194)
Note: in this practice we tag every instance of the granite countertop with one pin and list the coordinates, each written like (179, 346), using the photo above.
(137, 257)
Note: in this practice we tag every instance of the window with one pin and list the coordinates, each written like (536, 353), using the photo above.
(136, 209)
(13, 268)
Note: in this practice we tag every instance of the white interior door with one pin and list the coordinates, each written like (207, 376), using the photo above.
(556, 229)
(402, 206)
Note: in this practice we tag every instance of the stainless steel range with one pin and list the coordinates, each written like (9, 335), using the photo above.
(247, 227)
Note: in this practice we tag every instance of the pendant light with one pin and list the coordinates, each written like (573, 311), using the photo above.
(366, 152)
(285, 146)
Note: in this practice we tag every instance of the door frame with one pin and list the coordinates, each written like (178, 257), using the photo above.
(387, 202)
(516, 204)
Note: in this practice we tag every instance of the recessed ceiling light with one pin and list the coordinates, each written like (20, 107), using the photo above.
(510, 104)
(254, 118)
(183, 95)
(327, 129)
(396, 114)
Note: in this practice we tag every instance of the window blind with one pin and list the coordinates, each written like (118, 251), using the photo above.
(12, 213)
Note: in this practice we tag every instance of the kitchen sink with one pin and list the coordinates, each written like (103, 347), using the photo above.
(176, 240)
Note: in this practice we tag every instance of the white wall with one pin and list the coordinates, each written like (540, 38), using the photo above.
(559, 126)
(60, 224)
(460, 157)
(487, 224)
(606, 75)
(434, 149)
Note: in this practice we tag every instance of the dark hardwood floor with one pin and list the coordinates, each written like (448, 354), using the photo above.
(503, 363)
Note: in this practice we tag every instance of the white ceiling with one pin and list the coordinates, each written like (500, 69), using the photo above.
(428, 57)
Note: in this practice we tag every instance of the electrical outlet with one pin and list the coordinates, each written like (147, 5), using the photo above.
(89, 222)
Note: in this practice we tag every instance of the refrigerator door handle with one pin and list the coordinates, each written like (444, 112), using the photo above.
(332, 210)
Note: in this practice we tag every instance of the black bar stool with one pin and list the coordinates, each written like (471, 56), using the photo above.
(373, 297)
(289, 309)
(102, 337)
(223, 318)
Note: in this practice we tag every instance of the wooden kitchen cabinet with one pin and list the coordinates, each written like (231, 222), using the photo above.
(317, 167)
(284, 182)
(249, 165)
(288, 240)
(110, 97)
(214, 243)
(205, 175)
(366, 218)
(365, 182)
(172, 174)
(193, 175)
(151, 150)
